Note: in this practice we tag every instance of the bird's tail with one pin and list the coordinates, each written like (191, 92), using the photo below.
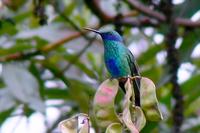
(136, 87)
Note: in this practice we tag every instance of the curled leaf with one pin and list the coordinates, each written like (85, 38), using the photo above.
(114, 128)
(149, 102)
(104, 103)
(138, 117)
(86, 126)
(71, 125)
(126, 114)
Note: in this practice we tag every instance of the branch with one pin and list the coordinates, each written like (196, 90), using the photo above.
(60, 42)
(137, 22)
(44, 49)
(187, 22)
(93, 5)
(78, 55)
(124, 19)
(146, 10)
(161, 17)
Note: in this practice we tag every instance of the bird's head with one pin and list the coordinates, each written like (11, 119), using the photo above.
(107, 36)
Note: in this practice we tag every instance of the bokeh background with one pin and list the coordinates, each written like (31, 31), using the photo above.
(50, 67)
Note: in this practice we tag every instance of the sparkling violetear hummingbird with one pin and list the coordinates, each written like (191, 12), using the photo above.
(119, 60)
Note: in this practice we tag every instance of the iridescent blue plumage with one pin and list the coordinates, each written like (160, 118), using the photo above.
(119, 60)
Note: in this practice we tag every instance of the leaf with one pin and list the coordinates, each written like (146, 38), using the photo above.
(191, 125)
(57, 93)
(86, 126)
(192, 108)
(36, 73)
(126, 114)
(24, 44)
(114, 128)
(149, 102)
(190, 83)
(22, 86)
(191, 89)
(80, 93)
(69, 126)
(5, 114)
(190, 7)
(149, 54)
(104, 107)
(138, 117)
(80, 65)
(70, 8)
(7, 101)
(97, 64)
(7, 28)
(156, 69)
(188, 44)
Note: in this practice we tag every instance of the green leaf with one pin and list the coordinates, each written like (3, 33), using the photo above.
(98, 65)
(149, 54)
(149, 102)
(80, 65)
(4, 115)
(34, 70)
(104, 107)
(21, 45)
(192, 108)
(190, 83)
(57, 93)
(190, 7)
(7, 28)
(70, 8)
(81, 93)
(191, 89)
(114, 128)
(153, 68)
(188, 44)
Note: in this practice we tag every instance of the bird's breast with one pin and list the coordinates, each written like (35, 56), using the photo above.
(115, 56)
(117, 64)
(113, 67)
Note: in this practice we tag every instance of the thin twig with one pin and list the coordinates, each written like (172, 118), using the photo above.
(47, 48)
(161, 17)
(144, 9)
(74, 60)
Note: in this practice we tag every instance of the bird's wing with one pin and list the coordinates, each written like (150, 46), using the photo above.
(134, 72)
(133, 65)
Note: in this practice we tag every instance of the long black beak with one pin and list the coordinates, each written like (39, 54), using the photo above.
(93, 30)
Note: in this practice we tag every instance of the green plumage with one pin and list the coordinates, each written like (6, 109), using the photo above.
(119, 60)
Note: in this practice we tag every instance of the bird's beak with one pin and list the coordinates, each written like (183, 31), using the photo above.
(93, 30)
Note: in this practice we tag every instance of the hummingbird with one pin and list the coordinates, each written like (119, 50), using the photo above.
(119, 60)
